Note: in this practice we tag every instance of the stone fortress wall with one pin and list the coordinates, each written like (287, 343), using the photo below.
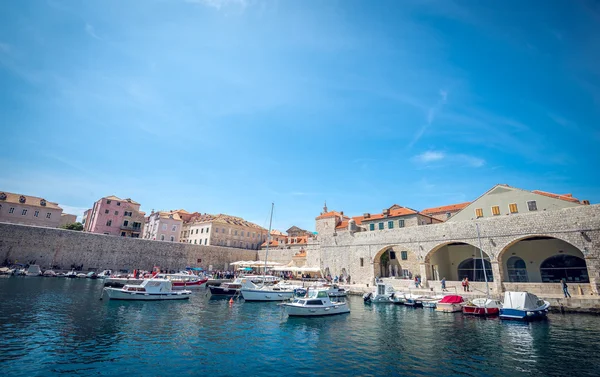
(51, 246)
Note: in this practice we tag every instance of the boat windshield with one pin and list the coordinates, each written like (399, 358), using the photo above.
(317, 294)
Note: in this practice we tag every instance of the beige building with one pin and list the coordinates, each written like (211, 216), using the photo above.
(223, 230)
(503, 200)
(66, 219)
(444, 213)
(29, 210)
(163, 226)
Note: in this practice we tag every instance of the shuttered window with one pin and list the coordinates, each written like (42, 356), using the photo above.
(495, 210)
(513, 208)
(479, 212)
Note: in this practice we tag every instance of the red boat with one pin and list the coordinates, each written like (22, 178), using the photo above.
(185, 281)
(482, 307)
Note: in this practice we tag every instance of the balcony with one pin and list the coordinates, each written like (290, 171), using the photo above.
(131, 228)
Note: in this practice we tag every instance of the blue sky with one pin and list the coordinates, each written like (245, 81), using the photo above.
(224, 106)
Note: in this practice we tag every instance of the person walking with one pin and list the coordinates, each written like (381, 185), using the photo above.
(464, 284)
(565, 287)
(443, 284)
(467, 284)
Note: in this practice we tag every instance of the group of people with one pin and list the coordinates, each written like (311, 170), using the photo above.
(338, 279)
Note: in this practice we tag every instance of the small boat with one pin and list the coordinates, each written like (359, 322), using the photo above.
(81, 275)
(413, 300)
(482, 307)
(71, 274)
(430, 302)
(49, 273)
(523, 306)
(34, 270)
(185, 280)
(382, 294)
(450, 304)
(5, 271)
(227, 288)
(105, 274)
(317, 303)
(92, 275)
(148, 290)
(277, 292)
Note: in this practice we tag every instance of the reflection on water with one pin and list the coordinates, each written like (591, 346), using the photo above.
(52, 326)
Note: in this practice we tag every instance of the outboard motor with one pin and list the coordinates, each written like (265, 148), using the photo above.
(367, 297)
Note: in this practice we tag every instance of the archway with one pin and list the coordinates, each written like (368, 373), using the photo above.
(542, 259)
(395, 261)
(456, 260)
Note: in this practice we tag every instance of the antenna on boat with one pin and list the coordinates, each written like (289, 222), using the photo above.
(268, 242)
(487, 286)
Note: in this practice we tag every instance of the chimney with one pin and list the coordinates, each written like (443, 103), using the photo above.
(386, 212)
(342, 213)
(367, 215)
(586, 202)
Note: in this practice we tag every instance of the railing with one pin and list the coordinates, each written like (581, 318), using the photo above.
(132, 228)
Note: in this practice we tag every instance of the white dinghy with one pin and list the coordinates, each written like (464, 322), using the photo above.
(148, 290)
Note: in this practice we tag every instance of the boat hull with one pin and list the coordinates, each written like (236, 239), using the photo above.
(262, 295)
(220, 291)
(448, 308)
(119, 294)
(523, 315)
(429, 304)
(413, 302)
(189, 285)
(480, 310)
(308, 311)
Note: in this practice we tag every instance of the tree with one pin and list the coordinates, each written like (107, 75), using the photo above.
(73, 226)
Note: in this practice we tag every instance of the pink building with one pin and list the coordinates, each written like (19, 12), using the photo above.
(114, 216)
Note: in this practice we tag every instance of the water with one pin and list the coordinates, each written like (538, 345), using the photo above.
(53, 326)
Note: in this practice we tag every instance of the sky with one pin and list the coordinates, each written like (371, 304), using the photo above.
(225, 106)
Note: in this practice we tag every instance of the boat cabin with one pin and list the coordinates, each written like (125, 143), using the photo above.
(151, 286)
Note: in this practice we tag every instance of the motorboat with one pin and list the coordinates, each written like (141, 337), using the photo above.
(49, 273)
(185, 280)
(482, 307)
(265, 279)
(17, 270)
(227, 288)
(413, 300)
(333, 289)
(450, 304)
(277, 292)
(148, 290)
(71, 274)
(430, 302)
(33, 270)
(316, 303)
(523, 306)
(5, 271)
(81, 275)
(382, 294)
(92, 275)
(105, 274)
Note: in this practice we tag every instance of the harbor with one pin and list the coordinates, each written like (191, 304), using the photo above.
(53, 327)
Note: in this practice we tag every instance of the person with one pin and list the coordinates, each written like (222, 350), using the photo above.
(467, 284)
(416, 282)
(348, 279)
(443, 284)
(464, 284)
(565, 287)
(419, 280)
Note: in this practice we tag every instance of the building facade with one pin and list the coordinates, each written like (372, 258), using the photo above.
(445, 213)
(163, 226)
(66, 219)
(29, 210)
(116, 217)
(223, 230)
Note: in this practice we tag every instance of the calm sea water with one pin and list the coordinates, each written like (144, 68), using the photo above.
(53, 326)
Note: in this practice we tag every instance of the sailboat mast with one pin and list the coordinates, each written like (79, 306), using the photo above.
(268, 241)
(487, 286)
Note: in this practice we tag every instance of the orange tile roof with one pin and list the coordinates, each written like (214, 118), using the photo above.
(445, 209)
(397, 212)
(566, 197)
(344, 224)
(330, 214)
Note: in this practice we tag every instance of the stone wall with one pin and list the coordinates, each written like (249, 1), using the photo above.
(49, 246)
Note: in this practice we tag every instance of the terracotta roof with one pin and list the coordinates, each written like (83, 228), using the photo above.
(567, 197)
(112, 197)
(273, 243)
(34, 201)
(397, 212)
(226, 220)
(344, 224)
(331, 214)
(445, 209)
(167, 215)
(275, 232)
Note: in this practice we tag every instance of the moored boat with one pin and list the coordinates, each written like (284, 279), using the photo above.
(450, 304)
(105, 274)
(148, 290)
(317, 303)
(71, 274)
(34, 270)
(277, 292)
(185, 280)
(482, 307)
(523, 306)
(413, 300)
(226, 289)
(382, 294)
(49, 273)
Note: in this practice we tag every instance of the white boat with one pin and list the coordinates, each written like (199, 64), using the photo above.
(148, 290)
(523, 306)
(185, 280)
(34, 270)
(450, 304)
(382, 294)
(81, 275)
(105, 274)
(277, 292)
(49, 273)
(317, 303)
(71, 274)
(430, 302)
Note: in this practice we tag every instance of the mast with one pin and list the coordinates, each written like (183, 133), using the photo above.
(268, 242)
(487, 286)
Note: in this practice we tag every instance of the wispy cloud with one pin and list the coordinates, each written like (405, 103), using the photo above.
(4, 47)
(218, 4)
(91, 31)
(434, 158)
(431, 114)
(71, 210)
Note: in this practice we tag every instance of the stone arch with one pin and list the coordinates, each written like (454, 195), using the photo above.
(396, 261)
(535, 250)
(443, 260)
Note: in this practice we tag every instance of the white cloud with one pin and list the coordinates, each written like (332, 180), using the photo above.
(90, 30)
(429, 156)
(71, 210)
(439, 158)
(431, 114)
(218, 4)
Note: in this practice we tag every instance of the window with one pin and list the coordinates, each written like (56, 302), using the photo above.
(24, 212)
(11, 210)
(119, 203)
(404, 255)
(162, 237)
(371, 226)
(172, 238)
(401, 223)
(448, 215)
(109, 223)
(37, 214)
(532, 205)
(48, 215)
(216, 230)
(106, 234)
(390, 225)
(123, 234)
(392, 255)
(195, 241)
(126, 213)
(253, 235)
(196, 230)
(116, 213)
(478, 212)
(125, 223)
(205, 240)
(362, 262)
(223, 230)
(174, 228)
(380, 226)
(513, 208)
(164, 226)
(236, 232)
(495, 210)
(108, 201)
(106, 212)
